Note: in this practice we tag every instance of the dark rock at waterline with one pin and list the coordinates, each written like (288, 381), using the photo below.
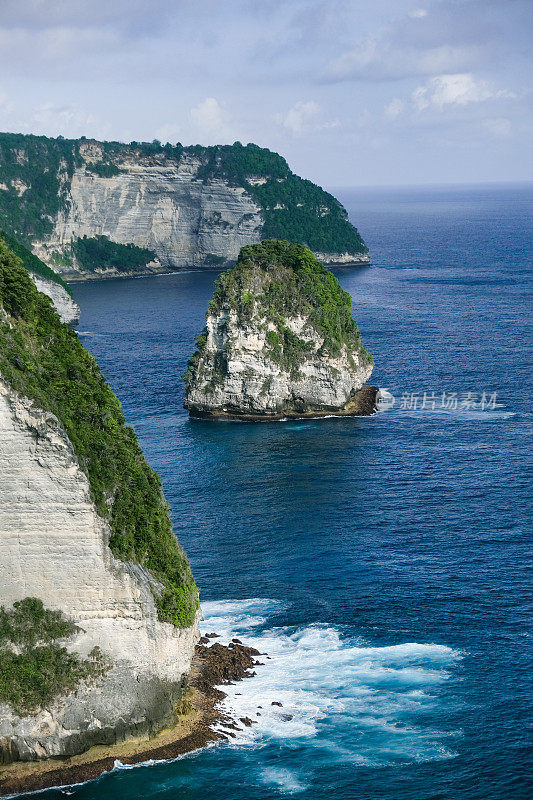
(222, 665)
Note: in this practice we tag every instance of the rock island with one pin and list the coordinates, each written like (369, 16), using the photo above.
(279, 341)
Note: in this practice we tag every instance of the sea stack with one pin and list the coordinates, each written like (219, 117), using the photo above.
(279, 341)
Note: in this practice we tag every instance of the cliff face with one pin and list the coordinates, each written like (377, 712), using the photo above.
(192, 206)
(279, 340)
(83, 528)
(54, 546)
(162, 207)
(67, 308)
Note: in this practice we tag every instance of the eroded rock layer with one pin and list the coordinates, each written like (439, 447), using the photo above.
(54, 546)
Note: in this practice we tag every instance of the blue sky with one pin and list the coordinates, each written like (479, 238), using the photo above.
(352, 92)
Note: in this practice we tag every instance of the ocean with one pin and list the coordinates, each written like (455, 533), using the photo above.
(380, 562)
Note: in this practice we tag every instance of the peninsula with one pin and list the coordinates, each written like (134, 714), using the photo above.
(94, 209)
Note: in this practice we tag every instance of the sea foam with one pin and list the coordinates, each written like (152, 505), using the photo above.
(359, 703)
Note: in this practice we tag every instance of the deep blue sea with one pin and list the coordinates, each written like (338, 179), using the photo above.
(380, 562)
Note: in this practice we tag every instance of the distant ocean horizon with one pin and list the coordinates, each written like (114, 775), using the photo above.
(380, 562)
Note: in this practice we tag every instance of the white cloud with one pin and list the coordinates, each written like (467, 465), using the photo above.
(379, 60)
(394, 108)
(169, 132)
(418, 13)
(299, 118)
(460, 89)
(499, 127)
(211, 120)
(305, 115)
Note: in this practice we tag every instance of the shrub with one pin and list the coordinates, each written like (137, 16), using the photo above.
(34, 668)
(100, 252)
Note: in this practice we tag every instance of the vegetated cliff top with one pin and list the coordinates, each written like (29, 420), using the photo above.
(32, 263)
(277, 280)
(35, 174)
(42, 359)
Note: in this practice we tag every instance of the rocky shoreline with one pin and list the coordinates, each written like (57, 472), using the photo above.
(362, 404)
(213, 665)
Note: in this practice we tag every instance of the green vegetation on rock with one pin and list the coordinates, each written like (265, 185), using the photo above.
(308, 215)
(276, 280)
(35, 174)
(34, 667)
(32, 263)
(30, 168)
(296, 285)
(100, 252)
(41, 358)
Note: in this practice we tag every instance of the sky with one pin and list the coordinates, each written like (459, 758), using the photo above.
(351, 92)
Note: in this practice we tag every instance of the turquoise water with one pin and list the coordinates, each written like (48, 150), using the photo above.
(381, 562)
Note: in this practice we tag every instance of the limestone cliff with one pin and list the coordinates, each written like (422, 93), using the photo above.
(67, 308)
(85, 529)
(279, 341)
(192, 206)
(47, 281)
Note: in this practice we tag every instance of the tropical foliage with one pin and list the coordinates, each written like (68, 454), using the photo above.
(43, 359)
(34, 666)
(100, 252)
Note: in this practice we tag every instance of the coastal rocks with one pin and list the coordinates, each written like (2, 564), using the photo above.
(54, 546)
(219, 664)
(67, 308)
(200, 721)
(193, 207)
(279, 341)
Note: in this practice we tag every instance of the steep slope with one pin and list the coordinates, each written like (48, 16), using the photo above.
(47, 281)
(279, 341)
(192, 206)
(84, 528)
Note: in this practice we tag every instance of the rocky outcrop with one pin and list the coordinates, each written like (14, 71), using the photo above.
(67, 308)
(279, 341)
(86, 538)
(54, 546)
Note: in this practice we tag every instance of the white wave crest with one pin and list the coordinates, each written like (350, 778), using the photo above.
(362, 704)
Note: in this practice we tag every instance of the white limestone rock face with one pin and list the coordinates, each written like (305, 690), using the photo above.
(54, 546)
(161, 206)
(67, 308)
(239, 370)
(254, 384)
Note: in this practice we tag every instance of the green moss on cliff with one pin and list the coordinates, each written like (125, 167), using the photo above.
(42, 359)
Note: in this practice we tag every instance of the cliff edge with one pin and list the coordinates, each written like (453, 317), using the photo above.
(99, 610)
(172, 206)
(279, 341)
